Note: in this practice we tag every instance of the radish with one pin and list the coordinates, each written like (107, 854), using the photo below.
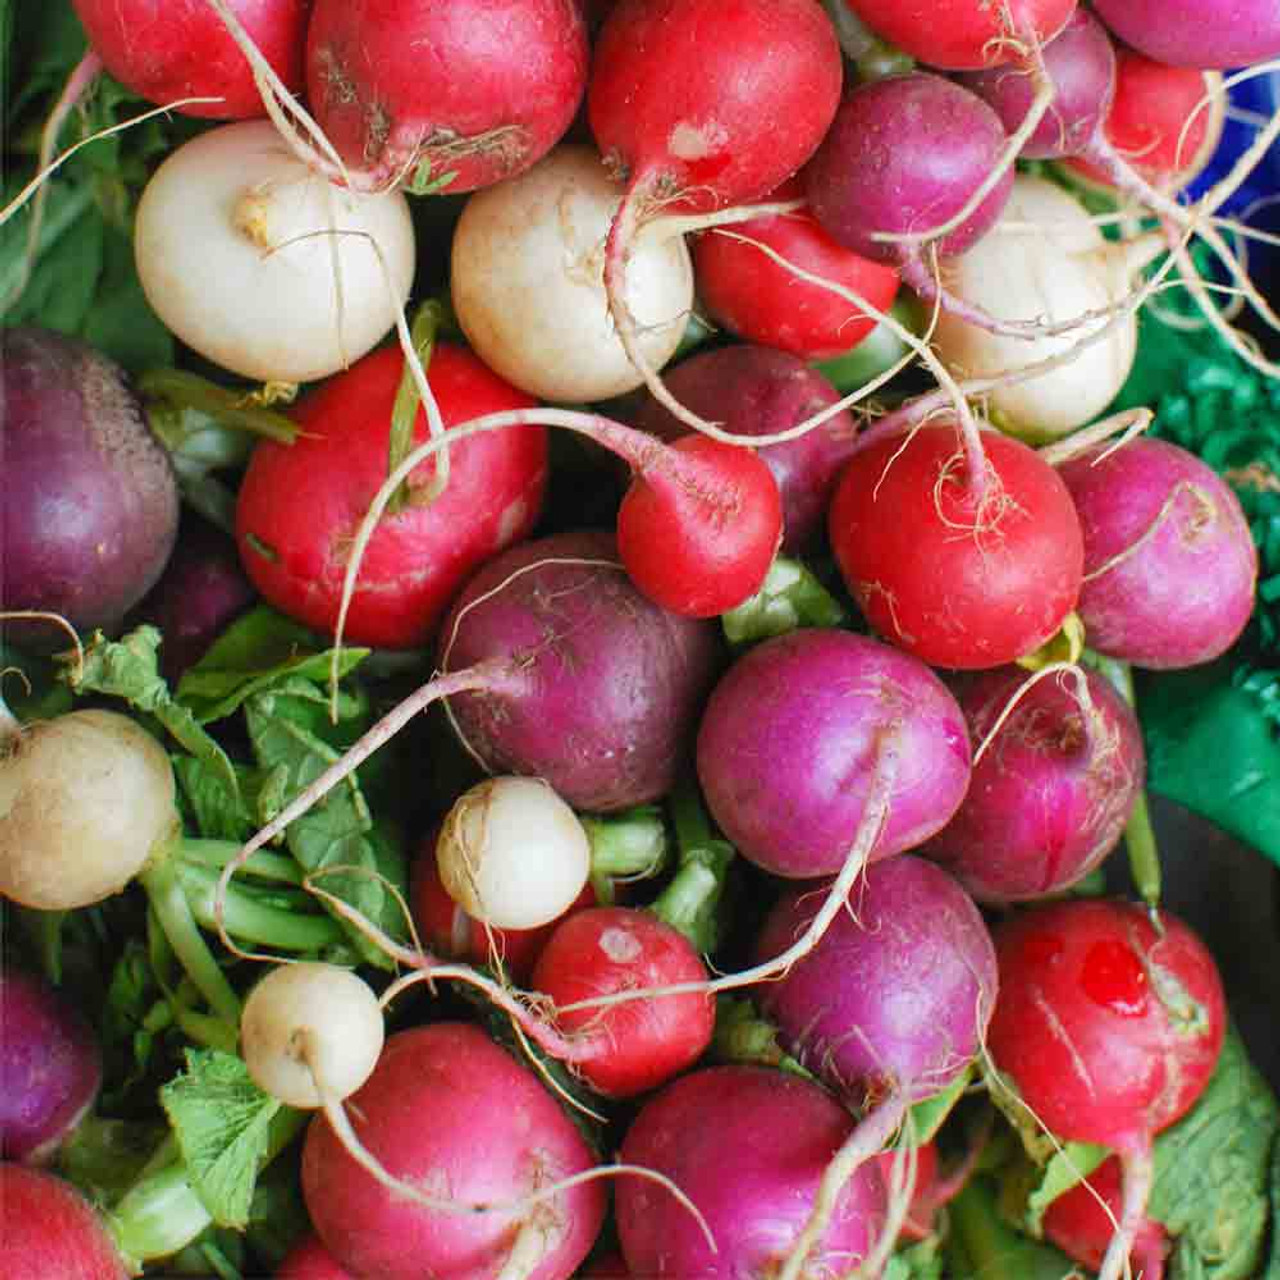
(1197, 33)
(47, 1229)
(300, 505)
(262, 266)
(164, 50)
(698, 105)
(892, 1004)
(513, 854)
(757, 391)
(50, 1067)
(427, 91)
(90, 511)
(954, 581)
(451, 1113)
(748, 1145)
(750, 294)
(625, 1049)
(809, 734)
(310, 1260)
(527, 282)
(1108, 1026)
(1060, 767)
(1170, 565)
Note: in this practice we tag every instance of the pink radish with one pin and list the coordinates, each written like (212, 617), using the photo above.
(47, 1229)
(1196, 33)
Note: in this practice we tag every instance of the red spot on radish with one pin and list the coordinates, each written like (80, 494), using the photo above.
(1112, 976)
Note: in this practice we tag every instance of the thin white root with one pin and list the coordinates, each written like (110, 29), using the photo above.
(1127, 424)
(1053, 669)
(1138, 1178)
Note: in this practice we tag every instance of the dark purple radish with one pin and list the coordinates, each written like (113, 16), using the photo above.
(1213, 34)
(698, 105)
(816, 739)
(90, 510)
(748, 1145)
(759, 391)
(48, 1229)
(892, 1005)
(1058, 766)
(50, 1067)
(1108, 1026)
(1170, 565)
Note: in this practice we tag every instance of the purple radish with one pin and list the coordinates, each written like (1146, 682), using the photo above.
(1208, 34)
(748, 1145)
(892, 1005)
(1053, 785)
(1170, 565)
(90, 510)
(50, 1067)
(757, 391)
(805, 731)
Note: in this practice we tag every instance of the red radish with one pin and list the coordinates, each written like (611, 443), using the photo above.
(1108, 1026)
(300, 505)
(50, 1067)
(1170, 564)
(460, 94)
(310, 1260)
(749, 1146)
(957, 582)
(1197, 33)
(963, 35)
(47, 1229)
(1081, 1222)
(1052, 789)
(626, 1049)
(449, 1111)
(757, 391)
(702, 104)
(164, 50)
(803, 730)
(762, 302)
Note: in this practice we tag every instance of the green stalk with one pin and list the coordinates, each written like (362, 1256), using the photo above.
(177, 390)
(426, 329)
(625, 846)
(213, 855)
(790, 597)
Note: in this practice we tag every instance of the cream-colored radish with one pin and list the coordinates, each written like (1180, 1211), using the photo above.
(1045, 259)
(512, 853)
(86, 801)
(308, 1027)
(528, 282)
(263, 266)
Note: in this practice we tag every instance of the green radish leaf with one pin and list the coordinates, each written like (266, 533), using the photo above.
(921, 1261)
(1066, 1169)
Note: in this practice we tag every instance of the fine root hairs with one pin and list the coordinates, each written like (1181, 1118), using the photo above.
(1052, 669)
(1207, 505)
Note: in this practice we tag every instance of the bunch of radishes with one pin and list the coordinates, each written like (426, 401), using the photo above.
(888, 800)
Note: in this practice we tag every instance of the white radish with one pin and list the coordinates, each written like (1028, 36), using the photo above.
(263, 266)
(1045, 260)
(308, 1028)
(528, 282)
(512, 853)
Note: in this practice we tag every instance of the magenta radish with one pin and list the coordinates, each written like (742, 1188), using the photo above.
(757, 391)
(1197, 33)
(426, 91)
(50, 1067)
(699, 105)
(166, 50)
(47, 1229)
(625, 1049)
(453, 1114)
(804, 732)
(957, 581)
(1107, 1027)
(1170, 567)
(90, 511)
(749, 1146)
(1059, 768)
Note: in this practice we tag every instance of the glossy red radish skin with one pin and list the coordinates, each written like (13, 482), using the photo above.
(795, 734)
(1170, 565)
(479, 91)
(166, 50)
(50, 1067)
(310, 1260)
(47, 1229)
(748, 1145)
(1197, 33)
(1053, 790)
(300, 505)
(957, 583)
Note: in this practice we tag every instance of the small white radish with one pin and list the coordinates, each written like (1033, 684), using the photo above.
(308, 1027)
(264, 267)
(512, 853)
(1045, 259)
(528, 282)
